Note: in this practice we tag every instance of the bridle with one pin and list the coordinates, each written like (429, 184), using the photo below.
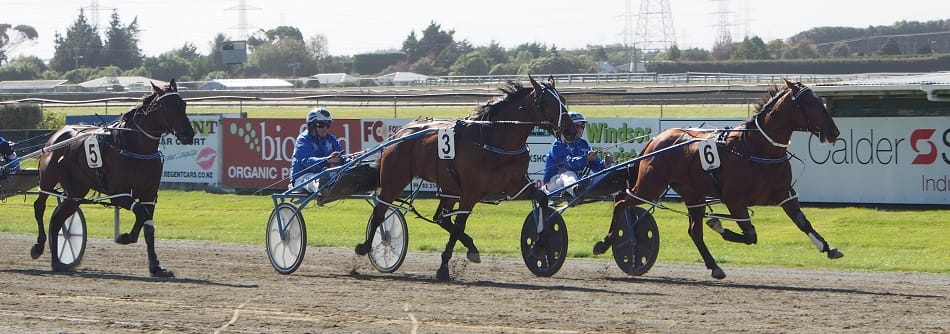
(562, 109)
(153, 106)
(770, 105)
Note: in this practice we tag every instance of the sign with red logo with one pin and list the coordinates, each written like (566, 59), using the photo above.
(258, 151)
(198, 162)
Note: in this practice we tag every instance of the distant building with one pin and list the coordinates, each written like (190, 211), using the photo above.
(335, 79)
(246, 84)
(632, 67)
(402, 79)
(120, 84)
(606, 67)
(32, 86)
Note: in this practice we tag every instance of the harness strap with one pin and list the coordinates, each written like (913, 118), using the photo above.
(785, 158)
(133, 155)
(497, 150)
(788, 199)
(529, 184)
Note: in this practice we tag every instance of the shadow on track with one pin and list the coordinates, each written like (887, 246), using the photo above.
(123, 277)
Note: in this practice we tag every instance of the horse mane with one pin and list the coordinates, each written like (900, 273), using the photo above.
(763, 102)
(513, 91)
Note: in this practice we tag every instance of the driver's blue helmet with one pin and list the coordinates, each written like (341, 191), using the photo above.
(319, 115)
(577, 117)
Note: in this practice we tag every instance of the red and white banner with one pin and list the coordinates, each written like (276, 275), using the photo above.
(258, 151)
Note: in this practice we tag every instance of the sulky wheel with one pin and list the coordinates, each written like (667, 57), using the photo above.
(637, 241)
(544, 252)
(72, 240)
(390, 242)
(286, 238)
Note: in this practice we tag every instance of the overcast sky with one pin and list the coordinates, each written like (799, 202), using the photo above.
(353, 27)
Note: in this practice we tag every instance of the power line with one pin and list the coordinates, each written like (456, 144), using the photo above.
(243, 27)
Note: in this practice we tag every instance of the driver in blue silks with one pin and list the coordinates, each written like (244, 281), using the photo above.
(316, 150)
(8, 159)
(567, 161)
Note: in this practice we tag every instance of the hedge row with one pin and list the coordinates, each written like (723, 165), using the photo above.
(20, 116)
(809, 66)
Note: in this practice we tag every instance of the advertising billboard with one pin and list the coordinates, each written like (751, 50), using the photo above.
(199, 162)
(900, 160)
(258, 151)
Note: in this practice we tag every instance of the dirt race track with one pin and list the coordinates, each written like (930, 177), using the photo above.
(233, 289)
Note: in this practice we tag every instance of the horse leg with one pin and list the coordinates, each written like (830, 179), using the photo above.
(443, 218)
(379, 213)
(794, 211)
(619, 208)
(741, 215)
(465, 208)
(695, 231)
(126, 202)
(39, 209)
(63, 210)
(143, 221)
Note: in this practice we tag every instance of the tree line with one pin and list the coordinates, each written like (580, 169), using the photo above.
(83, 53)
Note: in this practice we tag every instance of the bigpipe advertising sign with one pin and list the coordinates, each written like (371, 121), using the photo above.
(258, 151)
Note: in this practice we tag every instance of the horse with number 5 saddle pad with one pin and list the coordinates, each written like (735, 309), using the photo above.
(121, 161)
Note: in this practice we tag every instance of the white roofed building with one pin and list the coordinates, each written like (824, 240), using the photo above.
(246, 84)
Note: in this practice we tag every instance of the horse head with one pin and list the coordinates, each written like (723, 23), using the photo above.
(812, 116)
(552, 112)
(166, 113)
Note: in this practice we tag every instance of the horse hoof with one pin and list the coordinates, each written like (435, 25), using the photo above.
(442, 274)
(834, 253)
(600, 247)
(362, 249)
(717, 273)
(36, 251)
(715, 224)
(124, 239)
(161, 272)
(473, 257)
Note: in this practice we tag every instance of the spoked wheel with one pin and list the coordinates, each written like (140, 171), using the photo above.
(286, 238)
(637, 241)
(71, 240)
(390, 241)
(544, 252)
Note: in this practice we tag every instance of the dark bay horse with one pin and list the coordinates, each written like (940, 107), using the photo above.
(754, 170)
(491, 159)
(129, 170)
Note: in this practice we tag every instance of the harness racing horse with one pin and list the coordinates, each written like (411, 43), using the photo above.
(129, 173)
(491, 159)
(754, 170)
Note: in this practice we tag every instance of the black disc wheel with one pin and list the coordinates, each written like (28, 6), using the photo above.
(71, 241)
(286, 238)
(544, 241)
(390, 241)
(637, 241)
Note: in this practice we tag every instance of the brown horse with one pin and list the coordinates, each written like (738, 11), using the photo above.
(491, 159)
(129, 172)
(754, 170)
